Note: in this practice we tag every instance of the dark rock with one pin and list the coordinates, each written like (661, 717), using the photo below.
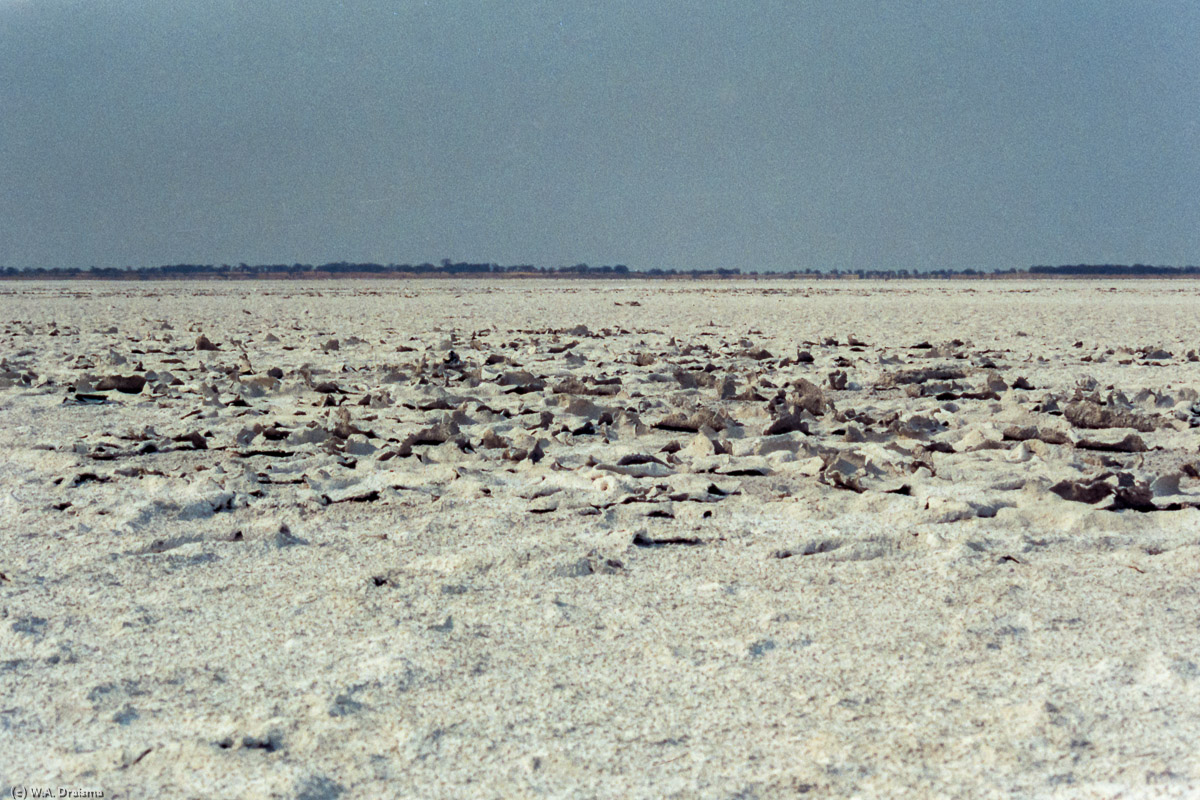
(270, 743)
(686, 379)
(493, 441)
(1090, 415)
(83, 398)
(923, 375)
(440, 433)
(577, 569)
(1090, 492)
(29, 625)
(593, 564)
(125, 716)
(810, 548)
(1130, 443)
(521, 382)
(1137, 497)
(787, 423)
(275, 433)
(534, 454)
(638, 458)
(694, 422)
(344, 428)
(344, 705)
(571, 385)
(642, 539)
(202, 343)
(195, 439)
(576, 386)
(916, 426)
(129, 384)
(807, 396)
(994, 384)
(761, 647)
(645, 359)
(1020, 433)
(676, 422)
(285, 538)
(320, 788)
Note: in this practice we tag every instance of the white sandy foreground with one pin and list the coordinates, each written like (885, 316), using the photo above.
(563, 539)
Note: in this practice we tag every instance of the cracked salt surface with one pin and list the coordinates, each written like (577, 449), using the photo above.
(600, 539)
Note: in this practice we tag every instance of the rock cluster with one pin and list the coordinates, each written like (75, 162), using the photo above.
(602, 418)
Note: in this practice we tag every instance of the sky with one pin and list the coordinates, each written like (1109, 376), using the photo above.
(674, 135)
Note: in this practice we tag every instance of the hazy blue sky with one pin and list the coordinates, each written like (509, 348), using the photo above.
(655, 134)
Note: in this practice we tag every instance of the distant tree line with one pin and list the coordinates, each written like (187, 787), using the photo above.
(455, 268)
(342, 268)
(1135, 270)
(449, 268)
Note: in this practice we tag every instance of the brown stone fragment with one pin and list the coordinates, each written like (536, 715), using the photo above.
(1089, 415)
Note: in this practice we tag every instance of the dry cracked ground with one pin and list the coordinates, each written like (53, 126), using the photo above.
(570, 539)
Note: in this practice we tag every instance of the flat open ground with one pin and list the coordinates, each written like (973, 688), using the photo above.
(572, 539)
